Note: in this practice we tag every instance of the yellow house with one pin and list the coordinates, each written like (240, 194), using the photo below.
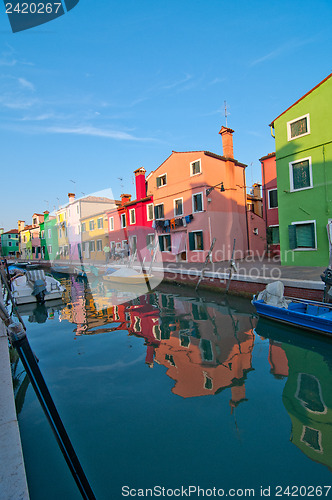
(94, 233)
(61, 225)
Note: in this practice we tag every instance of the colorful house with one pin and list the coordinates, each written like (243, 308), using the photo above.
(270, 202)
(256, 221)
(199, 196)
(10, 243)
(49, 237)
(303, 139)
(94, 236)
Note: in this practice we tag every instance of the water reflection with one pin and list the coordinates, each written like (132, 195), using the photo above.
(306, 362)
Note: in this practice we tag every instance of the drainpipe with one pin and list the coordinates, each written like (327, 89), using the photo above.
(265, 204)
(272, 128)
(246, 210)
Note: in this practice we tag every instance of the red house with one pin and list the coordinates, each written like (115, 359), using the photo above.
(270, 202)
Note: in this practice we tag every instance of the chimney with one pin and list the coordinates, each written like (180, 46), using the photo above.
(21, 224)
(227, 141)
(140, 183)
(125, 198)
(71, 197)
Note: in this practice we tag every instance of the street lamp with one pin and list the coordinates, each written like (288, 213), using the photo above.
(210, 189)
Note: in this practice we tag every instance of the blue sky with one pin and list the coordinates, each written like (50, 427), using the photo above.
(110, 87)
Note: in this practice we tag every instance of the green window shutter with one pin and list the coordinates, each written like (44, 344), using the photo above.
(202, 244)
(301, 174)
(161, 244)
(191, 241)
(305, 235)
(292, 236)
(275, 235)
(168, 242)
(158, 182)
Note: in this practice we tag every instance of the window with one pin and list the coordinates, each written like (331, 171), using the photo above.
(60, 233)
(83, 227)
(133, 244)
(92, 246)
(196, 240)
(198, 202)
(150, 238)
(100, 222)
(24, 239)
(149, 210)
(298, 127)
(34, 221)
(272, 235)
(111, 223)
(273, 198)
(132, 216)
(49, 248)
(99, 245)
(65, 250)
(300, 174)
(49, 232)
(178, 206)
(123, 220)
(77, 209)
(161, 180)
(302, 235)
(9, 243)
(165, 243)
(9, 236)
(43, 234)
(91, 225)
(195, 167)
(159, 211)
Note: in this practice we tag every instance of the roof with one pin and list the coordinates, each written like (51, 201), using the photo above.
(270, 155)
(12, 231)
(305, 95)
(97, 199)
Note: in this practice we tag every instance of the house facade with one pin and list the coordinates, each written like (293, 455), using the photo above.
(303, 139)
(198, 196)
(270, 202)
(10, 243)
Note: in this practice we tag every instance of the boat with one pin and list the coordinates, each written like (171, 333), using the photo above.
(126, 276)
(35, 286)
(310, 315)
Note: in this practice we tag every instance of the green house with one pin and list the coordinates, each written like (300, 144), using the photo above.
(49, 237)
(303, 139)
(9, 243)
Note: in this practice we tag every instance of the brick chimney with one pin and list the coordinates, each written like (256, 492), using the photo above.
(125, 198)
(140, 183)
(227, 141)
(71, 197)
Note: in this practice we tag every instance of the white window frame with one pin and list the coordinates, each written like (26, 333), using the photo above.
(102, 223)
(289, 137)
(308, 248)
(192, 199)
(152, 240)
(100, 245)
(194, 232)
(49, 233)
(298, 389)
(191, 167)
(158, 177)
(91, 223)
(291, 182)
(123, 220)
(147, 211)
(92, 243)
(111, 223)
(177, 199)
(304, 427)
(132, 211)
(49, 248)
(268, 197)
(158, 205)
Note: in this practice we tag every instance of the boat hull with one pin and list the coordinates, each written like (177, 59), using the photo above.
(321, 323)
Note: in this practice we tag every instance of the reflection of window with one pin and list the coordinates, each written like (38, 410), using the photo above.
(208, 383)
(161, 180)
(310, 394)
(178, 206)
(195, 167)
(184, 340)
(206, 349)
(198, 202)
(312, 438)
(137, 324)
(298, 127)
(199, 312)
(156, 331)
(149, 210)
(170, 359)
(300, 174)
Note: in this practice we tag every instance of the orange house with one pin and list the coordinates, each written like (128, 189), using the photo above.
(199, 196)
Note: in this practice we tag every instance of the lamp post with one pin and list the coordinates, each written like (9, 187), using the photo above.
(210, 189)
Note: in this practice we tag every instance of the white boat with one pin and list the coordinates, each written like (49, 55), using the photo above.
(126, 276)
(35, 286)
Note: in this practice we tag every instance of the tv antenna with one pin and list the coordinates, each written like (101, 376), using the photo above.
(226, 111)
(121, 183)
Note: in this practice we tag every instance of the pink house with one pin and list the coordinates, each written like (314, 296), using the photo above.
(270, 201)
(199, 196)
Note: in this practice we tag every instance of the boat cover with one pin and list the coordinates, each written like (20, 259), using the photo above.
(273, 295)
(36, 274)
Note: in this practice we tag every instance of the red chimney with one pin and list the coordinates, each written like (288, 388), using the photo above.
(140, 183)
(227, 141)
(125, 198)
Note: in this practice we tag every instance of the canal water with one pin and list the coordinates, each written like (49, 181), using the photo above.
(175, 390)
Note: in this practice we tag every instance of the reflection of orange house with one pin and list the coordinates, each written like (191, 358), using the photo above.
(278, 360)
(217, 357)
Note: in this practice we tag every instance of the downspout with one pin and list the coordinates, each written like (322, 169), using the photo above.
(325, 182)
(272, 128)
(245, 206)
(265, 204)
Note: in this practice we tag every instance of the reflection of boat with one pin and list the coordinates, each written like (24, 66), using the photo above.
(307, 314)
(127, 276)
(39, 313)
(35, 286)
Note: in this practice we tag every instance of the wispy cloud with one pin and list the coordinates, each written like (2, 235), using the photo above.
(289, 46)
(217, 80)
(26, 84)
(177, 83)
(97, 132)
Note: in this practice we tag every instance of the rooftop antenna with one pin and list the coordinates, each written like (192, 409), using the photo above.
(226, 112)
(121, 183)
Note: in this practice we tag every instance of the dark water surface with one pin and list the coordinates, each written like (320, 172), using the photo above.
(175, 390)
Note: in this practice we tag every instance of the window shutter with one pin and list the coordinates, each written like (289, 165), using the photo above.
(292, 236)
(158, 182)
(191, 241)
(202, 241)
(161, 244)
(168, 243)
(305, 235)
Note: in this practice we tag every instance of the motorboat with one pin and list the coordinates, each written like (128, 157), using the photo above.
(307, 314)
(35, 286)
(126, 276)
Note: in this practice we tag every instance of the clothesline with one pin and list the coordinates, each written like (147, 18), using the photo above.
(168, 224)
